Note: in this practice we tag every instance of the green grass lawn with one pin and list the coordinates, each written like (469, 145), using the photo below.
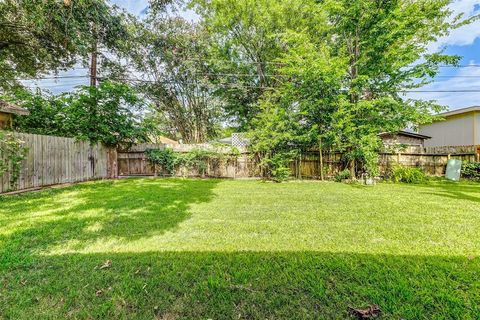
(213, 249)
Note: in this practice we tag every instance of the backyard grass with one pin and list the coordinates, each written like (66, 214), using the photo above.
(212, 249)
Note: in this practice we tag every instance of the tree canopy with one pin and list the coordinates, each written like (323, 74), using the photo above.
(347, 86)
(296, 74)
(43, 36)
(109, 113)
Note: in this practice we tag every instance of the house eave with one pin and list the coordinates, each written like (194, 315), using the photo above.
(7, 107)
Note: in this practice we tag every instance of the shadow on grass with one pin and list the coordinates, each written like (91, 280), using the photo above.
(469, 191)
(202, 285)
(128, 210)
(241, 285)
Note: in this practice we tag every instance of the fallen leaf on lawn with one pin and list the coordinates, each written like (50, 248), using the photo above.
(106, 265)
(23, 282)
(99, 293)
(471, 258)
(372, 311)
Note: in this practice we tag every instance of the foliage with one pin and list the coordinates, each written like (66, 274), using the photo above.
(246, 41)
(399, 173)
(197, 159)
(342, 175)
(171, 52)
(166, 158)
(39, 37)
(275, 166)
(344, 86)
(12, 153)
(107, 114)
(471, 170)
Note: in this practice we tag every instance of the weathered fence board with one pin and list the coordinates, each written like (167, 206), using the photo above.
(134, 163)
(55, 160)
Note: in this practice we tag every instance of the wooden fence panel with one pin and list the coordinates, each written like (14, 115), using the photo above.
(56, 160)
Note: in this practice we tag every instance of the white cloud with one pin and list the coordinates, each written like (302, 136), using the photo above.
(465, 35)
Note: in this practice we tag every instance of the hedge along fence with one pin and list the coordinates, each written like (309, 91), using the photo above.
(53, 160)
(308, 164)
(196, 161)
(134, 162)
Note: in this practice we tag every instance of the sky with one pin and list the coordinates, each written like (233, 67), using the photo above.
(464, 42)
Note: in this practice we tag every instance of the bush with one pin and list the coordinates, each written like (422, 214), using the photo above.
(167, 159)
(342, 175)
(196, 159)
(281, 174)
(471, 170)
(276, 166)
(12, 153)
(407, 174)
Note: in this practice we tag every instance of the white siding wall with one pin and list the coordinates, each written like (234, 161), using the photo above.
(454, 131)
(477, 140)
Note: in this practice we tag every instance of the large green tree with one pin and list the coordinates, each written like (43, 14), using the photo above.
(39, 37)
(110, 114)
(246, 42)
(347, 84)
(168, 55)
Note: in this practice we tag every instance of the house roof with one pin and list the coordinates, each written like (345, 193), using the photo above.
(407, 134)
(166, 140)
(460, 111)
(7, 107)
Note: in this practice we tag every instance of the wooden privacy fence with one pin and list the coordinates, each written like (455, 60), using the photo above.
(55, 160)
(308, 165)
(133, 162)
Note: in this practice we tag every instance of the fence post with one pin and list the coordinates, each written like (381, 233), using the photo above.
(321, 160)
(112, 163)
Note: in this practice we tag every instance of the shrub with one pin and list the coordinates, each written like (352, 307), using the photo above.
(276, 166)
(471, 170)
(12, 153)
(167, 159)
(404, 174)
(342, 175)
(196, 159)
(281, 174)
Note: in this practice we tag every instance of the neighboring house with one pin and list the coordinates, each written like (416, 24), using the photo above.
(7, 110)
(236, 140)
(457, 128)
(165, 140)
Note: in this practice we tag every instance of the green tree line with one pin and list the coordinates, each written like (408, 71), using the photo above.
(294, 74)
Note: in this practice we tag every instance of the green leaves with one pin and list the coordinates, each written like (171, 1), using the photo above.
(197, 159)
(40, 37)
(343, 85)
(12, 153)
(109, 113)
(172, 53)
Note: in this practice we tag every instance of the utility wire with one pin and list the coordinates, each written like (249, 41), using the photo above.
(216, 75)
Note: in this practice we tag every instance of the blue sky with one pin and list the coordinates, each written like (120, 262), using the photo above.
(464, 42)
